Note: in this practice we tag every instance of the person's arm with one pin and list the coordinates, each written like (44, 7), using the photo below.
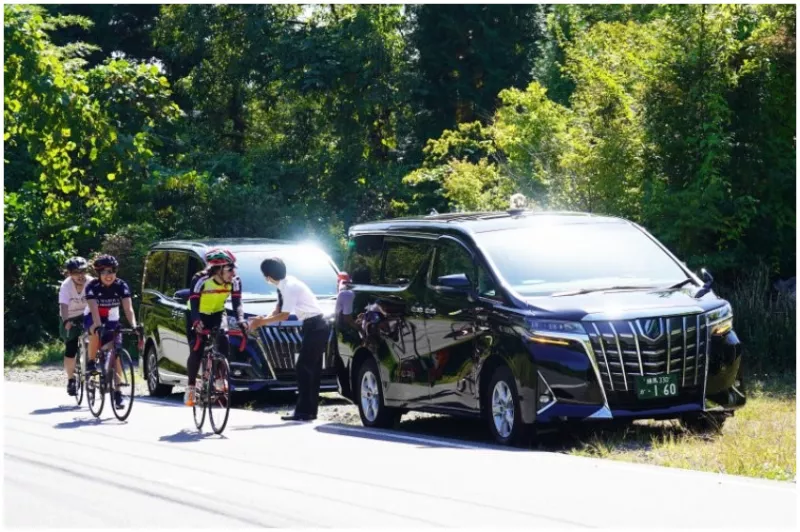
(277, 315)
(236, 299)
(95, 315)
(127, 306)
(194, 299)
(64, 312)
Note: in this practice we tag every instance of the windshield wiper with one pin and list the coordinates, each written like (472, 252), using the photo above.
(677, 285)
(602, 289)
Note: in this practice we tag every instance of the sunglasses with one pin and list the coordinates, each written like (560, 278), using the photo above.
(107, 272)
(229, 268)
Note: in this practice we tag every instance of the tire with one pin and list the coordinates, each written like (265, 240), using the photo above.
(369, 398)
(502, 408)
(77, 378)
(126, 385)
(199, 408)
(704, 422)
(95, 396)
(219, 386)
(154, 386)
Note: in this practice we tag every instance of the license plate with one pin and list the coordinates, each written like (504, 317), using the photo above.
(657, 386)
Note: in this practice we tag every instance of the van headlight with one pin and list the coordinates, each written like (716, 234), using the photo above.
(555, 332)
(721, 320)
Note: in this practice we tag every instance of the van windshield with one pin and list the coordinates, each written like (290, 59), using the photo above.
(550, 258)
(310, 265)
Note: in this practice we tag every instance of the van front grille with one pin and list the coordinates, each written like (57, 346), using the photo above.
(625, 349)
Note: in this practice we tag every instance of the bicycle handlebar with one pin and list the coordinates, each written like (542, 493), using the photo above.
(208, 332)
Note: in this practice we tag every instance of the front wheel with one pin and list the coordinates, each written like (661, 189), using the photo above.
(77, 379)
(502, 408)
(219, 388)
(123, 382)
(95, 394)
(369, 394)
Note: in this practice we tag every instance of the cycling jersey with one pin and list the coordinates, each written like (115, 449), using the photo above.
(108, 298)
(208, 297)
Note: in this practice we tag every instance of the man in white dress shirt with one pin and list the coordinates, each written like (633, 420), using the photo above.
(295, 297)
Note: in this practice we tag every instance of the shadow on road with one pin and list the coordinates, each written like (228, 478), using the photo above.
(276, 426)
(55, 410)
(188, 436)
(399, 436)
(78, 422)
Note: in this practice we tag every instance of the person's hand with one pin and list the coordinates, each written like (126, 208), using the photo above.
(242, 326)
(67, 325)
(140, 337)
(93, 329)
(198, 326)
(256, 322)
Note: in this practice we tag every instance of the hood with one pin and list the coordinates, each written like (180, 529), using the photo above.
(261, 307)
(625, 304)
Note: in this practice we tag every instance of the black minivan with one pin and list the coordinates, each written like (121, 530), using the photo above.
(529, 319)
(268, 361)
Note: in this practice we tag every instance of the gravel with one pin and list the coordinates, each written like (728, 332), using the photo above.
(333, 407)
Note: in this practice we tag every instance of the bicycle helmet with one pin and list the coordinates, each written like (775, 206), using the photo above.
(76, 264)
(220, 257)
(105, 261)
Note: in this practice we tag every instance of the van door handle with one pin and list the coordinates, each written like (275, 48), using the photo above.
(430, 311)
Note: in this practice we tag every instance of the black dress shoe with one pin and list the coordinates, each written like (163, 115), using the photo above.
(298, 417)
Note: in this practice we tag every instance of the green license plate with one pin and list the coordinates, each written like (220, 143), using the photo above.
(657, 386)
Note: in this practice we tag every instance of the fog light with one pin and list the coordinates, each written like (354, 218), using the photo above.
(544, 399)
(237, 372)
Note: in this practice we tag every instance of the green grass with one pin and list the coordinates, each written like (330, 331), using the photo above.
(34, 355)
(759, 441)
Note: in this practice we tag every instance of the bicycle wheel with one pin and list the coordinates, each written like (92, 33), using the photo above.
(77, 379)
(124, 384)
(200, 400)
(95, 393)
(219, 404)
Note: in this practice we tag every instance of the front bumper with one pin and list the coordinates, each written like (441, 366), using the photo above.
(268, 362)
(572, 386)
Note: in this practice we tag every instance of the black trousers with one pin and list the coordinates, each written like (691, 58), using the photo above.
(193, 362)
(309, 365)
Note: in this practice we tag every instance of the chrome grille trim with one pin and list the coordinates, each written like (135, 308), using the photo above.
(638, 350)
(603, 349)
(697, 350)
(619, 352)
(683, 373)
(679, 349)
(669, 344)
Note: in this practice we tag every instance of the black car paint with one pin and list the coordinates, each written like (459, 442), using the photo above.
(487, 332)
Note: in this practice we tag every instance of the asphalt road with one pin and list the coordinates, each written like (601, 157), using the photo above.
(62, 468)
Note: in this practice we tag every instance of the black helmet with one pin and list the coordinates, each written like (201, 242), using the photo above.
(76, 264)
(105, 261)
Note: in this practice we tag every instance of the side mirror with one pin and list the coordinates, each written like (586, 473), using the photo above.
(182, 295)
(706, 288)
(457, 281)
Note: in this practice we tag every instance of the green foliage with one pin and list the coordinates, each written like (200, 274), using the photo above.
(296, 121)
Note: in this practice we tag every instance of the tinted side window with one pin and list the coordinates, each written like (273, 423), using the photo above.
(403, 260)
(364, 258)
(175, 275)
(452, 258)
(153, 270)
(195, 265)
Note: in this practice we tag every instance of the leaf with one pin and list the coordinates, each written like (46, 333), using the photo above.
(111, 177)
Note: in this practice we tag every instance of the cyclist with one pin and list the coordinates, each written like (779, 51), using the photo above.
(104, 296)
(72, 302)
(209, 289)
